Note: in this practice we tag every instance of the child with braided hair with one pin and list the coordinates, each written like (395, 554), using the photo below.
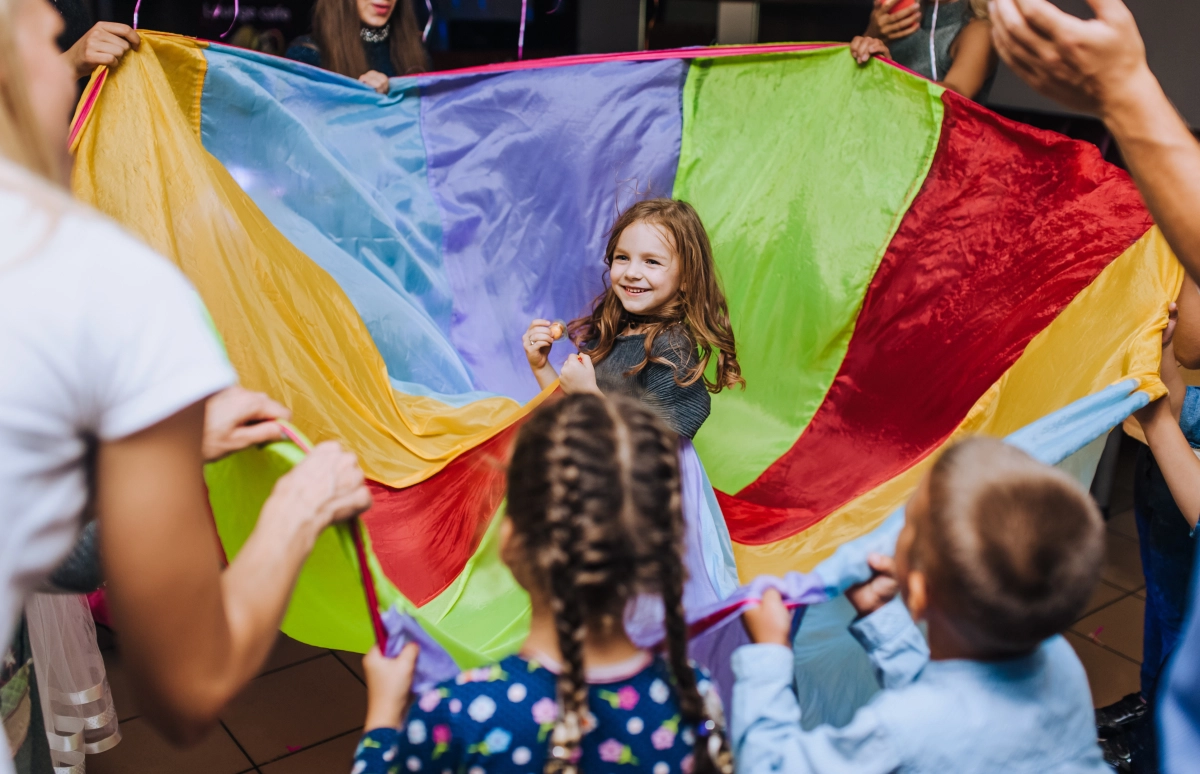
(594, 520)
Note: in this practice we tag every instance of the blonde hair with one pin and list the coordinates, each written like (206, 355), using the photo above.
(21, 138)
(30, 166)
(979, 7)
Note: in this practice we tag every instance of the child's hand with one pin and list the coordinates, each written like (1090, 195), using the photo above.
(1172, 321)
(389, 683)
(863, 48)
(889, 26)
(537, 341)
(578, 375)
(871, 595)
(769, 622)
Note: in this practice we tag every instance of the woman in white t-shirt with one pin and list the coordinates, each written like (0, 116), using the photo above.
(107, 360)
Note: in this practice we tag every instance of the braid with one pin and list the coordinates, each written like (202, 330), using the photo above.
(561, 512)
(594, 495)
(671, 580)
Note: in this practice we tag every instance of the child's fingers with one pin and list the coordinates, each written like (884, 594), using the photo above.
(884, 565)
(539, 323)
(408, 656)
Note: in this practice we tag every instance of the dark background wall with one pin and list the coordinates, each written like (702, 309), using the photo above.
(467, 32)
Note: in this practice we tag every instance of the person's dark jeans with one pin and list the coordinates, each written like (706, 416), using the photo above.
(1167, 550)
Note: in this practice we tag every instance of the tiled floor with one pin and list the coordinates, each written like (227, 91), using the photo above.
(302, 715)
(1108, 638)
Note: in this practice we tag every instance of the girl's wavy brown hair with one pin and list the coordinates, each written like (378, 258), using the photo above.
(336, 27)
(596, 508)
(699, 308)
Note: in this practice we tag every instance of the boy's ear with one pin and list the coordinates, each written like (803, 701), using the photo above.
(916, 596)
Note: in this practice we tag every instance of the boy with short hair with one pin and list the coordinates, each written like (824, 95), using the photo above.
(998, 555)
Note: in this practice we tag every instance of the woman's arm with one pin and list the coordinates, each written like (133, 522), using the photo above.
(974, 59)
(1099, 66)
(192, 635)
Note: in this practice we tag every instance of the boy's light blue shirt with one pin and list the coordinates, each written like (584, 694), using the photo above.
(1032, 714)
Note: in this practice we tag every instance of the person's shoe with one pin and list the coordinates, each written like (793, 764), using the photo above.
(1121, 713)
(1143, 746)
(1117, 754)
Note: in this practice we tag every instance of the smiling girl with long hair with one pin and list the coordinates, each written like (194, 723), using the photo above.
(658, 326)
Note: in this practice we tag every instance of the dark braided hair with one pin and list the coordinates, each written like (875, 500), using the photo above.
(594, 497)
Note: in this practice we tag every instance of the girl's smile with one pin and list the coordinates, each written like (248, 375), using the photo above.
(645, 269)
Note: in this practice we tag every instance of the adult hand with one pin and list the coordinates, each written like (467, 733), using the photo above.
(863, 48)
(389, 685)
(104, 44)
(769, 622)
(236, 419)
(882, 588)
(578, 375)
(537, 342)
(1089, 65)
(326, 486)
(376, 80)
(888, 26)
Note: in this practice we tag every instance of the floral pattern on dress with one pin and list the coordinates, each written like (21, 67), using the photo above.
(631, 725)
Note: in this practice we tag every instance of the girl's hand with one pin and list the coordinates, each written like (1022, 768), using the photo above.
(537, 341)
(376, 80)
(863, 48)
(104, 44)
(882, 588)
(578, 375)
(389, 685)
(888, 26)
(769, 622)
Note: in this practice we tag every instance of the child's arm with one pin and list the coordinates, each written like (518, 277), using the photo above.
(1168, 368)
(389, 682)
(897, 650)
(1174, 456)
(765, 730)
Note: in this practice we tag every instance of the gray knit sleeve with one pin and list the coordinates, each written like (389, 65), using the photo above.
(684, 409)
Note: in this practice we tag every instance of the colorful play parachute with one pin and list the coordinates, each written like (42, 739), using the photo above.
(903, 268)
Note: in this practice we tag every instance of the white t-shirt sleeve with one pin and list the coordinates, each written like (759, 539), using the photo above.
(151, 348)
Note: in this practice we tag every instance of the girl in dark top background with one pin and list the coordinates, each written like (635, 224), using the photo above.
(958, 32)
(371, 40)
(654, 330)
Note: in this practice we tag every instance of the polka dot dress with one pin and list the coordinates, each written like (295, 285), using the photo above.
(498, 719)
